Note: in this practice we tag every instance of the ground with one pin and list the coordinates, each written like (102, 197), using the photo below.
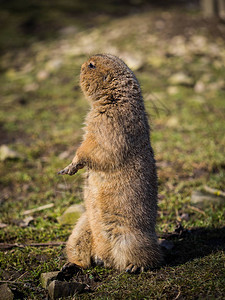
(179, 60)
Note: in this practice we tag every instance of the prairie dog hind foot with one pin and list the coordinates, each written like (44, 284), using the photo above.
(133, 269)
(67, 271)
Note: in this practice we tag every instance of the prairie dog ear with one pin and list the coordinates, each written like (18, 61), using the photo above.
(106, 77)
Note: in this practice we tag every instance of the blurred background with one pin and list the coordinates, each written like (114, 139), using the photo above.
(25, 22)
(177, 51)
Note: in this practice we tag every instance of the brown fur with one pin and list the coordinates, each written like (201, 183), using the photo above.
(120, 193)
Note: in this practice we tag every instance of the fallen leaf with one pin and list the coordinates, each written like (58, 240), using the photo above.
(26, 222)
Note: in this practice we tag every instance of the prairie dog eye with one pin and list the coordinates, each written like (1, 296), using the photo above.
(91, 66)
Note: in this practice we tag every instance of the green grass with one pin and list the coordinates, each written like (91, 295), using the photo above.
(42, 118)
(171, 282)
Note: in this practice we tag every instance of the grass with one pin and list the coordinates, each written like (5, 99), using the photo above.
(41, 117)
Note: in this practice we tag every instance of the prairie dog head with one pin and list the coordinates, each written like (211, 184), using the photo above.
(106, 77)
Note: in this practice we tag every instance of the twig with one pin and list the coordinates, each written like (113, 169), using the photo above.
(178, 295)
(196, 209)
(21, 276)
(16, 281)
(30, 211)
(13, 282)
(213, 191)
(4, 246)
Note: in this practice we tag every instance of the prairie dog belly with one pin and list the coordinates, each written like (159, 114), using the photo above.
(108, 185)
(120, 197)
(103, 191)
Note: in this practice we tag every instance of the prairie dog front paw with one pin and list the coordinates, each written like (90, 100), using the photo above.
(71, 169)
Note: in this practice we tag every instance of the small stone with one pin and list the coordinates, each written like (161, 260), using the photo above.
(168, 245)
(53, 65)
(181, 79)
(3, 225)
(201, 200)
(31, 87)
(47, 278)
(172, 122)
(7, 153)
(172, 90)
(59, 289)
(184, 217)
(216, 86)
(178, 46)
(5, 292)
(72, 214)
(6, 275)
(199, 87)
(199, 41)
(42, 75)
(62, 186)
(133, 62)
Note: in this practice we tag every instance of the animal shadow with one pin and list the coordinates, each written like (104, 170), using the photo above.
(195, 243)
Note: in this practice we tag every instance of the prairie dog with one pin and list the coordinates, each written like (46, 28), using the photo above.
(120, 193)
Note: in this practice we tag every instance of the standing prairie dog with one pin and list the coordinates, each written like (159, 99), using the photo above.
(120, 193)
